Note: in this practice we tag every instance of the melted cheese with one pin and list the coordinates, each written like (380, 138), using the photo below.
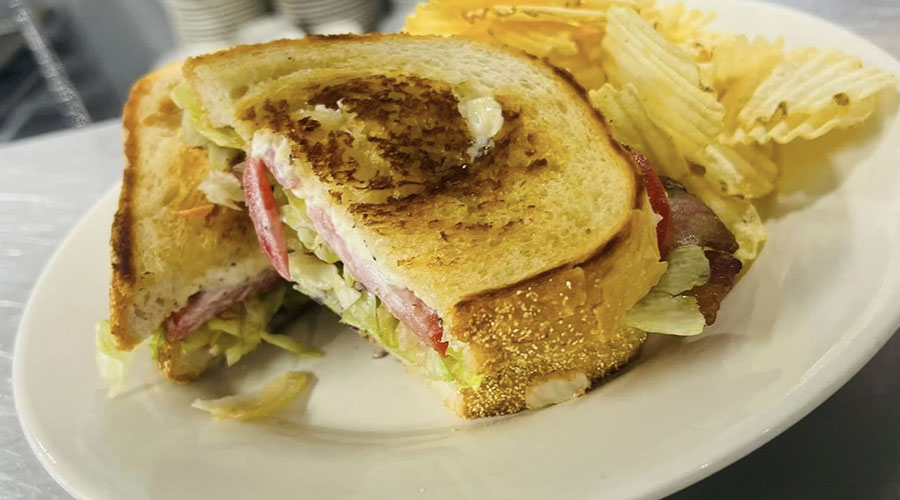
(485, 118)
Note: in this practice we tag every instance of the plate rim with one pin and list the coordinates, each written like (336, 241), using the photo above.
(770, 423)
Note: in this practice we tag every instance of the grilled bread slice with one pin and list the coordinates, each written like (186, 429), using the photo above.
(471, 188)
(167, 242)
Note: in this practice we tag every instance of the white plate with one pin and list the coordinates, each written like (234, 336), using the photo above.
(817, 305)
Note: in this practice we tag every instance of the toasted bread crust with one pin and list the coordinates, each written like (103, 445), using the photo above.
(122, 235)
(160, 255)
(564, 321)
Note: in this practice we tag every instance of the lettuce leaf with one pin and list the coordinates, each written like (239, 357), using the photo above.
(222, 188)
(688, 267)
(663, 310)
(221, 159)
(289, 344)
(156, 342)
(183, 97)
(271, 398)
(370, 315)
(111, 362)
(660, 312)
(293, 213)
(322, 281)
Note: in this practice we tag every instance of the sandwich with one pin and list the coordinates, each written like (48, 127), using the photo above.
(463, 207)
(187, 272)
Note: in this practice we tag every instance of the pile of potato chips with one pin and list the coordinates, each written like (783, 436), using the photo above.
(705, 107)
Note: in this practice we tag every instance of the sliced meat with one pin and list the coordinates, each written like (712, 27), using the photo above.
(410, 310)
(207, 304)
(282, 172)
(693, 223)
(723, 269)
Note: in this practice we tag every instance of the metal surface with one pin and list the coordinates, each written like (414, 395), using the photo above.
(51, 68)
(847, 448)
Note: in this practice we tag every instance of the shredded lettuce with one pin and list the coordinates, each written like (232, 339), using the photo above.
(111, 362)
(663, 310)
(435, 368)
(688, 267)
(221, 159)
(222, 188)
(230, 326)
(321, 281)
(293, 213)
(156, 342)
(183, 97)
(243, 327)
(457, 367)
(289, 344)
(370, 315)
(273, 397)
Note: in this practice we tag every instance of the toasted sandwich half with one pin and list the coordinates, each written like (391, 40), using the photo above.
(461, 205)
(185, 271)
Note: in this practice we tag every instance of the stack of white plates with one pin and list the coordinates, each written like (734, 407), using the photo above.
(202, 21)
(312, 13)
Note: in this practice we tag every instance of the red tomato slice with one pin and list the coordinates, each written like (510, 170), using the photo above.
(265, 216)
(659, 202)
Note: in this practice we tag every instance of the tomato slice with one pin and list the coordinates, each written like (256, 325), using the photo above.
(659, 202)
(265, 216)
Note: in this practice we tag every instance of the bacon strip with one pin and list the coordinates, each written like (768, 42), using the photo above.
(723, 269)
(207, 304)
(693, 223)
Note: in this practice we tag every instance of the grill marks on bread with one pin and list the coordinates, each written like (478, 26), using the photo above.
(402, 151)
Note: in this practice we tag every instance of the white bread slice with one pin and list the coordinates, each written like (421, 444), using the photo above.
(160, 257)
(530, 254)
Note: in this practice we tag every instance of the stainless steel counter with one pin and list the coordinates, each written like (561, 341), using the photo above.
(847, 448)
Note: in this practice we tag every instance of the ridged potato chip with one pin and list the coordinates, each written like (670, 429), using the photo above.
(808, 94)
(538, 39)
(632, 126)
(666, 78)
(525, 13)
(786, 128)
(677, 23)
(448, 17)
(735, 174)
(738, 67)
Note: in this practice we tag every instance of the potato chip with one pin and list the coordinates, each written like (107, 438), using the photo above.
(666, 78)
(448, 17)
(588, 73)
(739, 216)
(733, 173)
(738, 67)
(525, 13)
(810, 93)
(538, 39)
(632, 126)
(786, 128)
(678, 24)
